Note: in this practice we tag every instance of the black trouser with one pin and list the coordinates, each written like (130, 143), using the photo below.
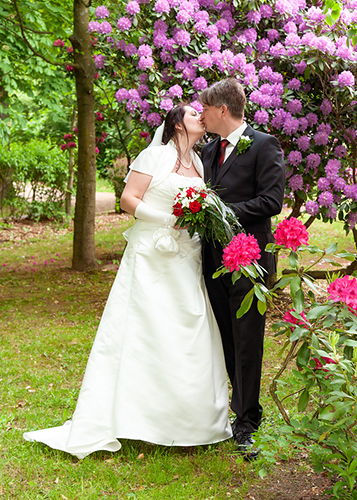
(242, 342)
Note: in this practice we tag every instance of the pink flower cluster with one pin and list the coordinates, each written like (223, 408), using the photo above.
(289, 318)
(69, 144)
(291, 233)
(344, 290)
(241, 252)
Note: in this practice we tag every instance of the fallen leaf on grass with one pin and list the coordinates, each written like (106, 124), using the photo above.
(140, 456)
(56, 480)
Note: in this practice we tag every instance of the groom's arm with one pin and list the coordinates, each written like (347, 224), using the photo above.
(269, 184)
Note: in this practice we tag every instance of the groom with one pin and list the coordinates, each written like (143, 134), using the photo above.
(251, 179)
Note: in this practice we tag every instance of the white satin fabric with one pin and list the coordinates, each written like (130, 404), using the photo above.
(156, 371)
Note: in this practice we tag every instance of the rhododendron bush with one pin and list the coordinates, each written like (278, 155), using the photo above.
(295, 60)
(315, 385)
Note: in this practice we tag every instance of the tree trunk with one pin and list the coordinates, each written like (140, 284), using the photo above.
(70, 170)
(84, 215)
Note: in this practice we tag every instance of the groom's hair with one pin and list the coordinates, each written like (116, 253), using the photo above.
(229, 92)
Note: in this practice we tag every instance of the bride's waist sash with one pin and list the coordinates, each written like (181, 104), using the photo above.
(165, 239)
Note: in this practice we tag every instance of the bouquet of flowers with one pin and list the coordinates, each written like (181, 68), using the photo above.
(200, 210)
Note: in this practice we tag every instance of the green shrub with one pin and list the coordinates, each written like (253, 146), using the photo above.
(40, 165)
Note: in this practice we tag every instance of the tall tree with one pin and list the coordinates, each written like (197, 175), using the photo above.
(29, 38)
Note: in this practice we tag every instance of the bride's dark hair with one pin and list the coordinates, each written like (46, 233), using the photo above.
(174, 117)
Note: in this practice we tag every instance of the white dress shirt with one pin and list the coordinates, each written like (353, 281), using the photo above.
(233, 138)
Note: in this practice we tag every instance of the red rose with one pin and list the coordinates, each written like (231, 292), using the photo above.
(203, 194)
(178, 211)
(194, 206)
(190, 192)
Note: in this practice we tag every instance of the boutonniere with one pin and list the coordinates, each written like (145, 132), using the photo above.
(243, 144)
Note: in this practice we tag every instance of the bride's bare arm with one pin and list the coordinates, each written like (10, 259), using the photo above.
(134, 190)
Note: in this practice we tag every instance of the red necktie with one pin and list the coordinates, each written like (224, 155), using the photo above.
(222, 152)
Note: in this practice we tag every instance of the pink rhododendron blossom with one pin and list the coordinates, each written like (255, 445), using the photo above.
(222, 26)
(166, 104)
(294, 158)
(162, 6)
(69, 67)
(121, 95)
(133, 7)
(294, 84)
(197, 106)
(312, 207)
(289, 318)
(154, 119)
(325, 199)
(145, 63)
(144, 50)
(130, 50)
(346, 79)
(344, 290)
(101, 12)
(266, 11)
(296, 182)
(303, 142)
(99, 61)
(105, 28)
(254, 16)
(123, 24)
(261, 117)
(214, 44)
(263, 45)
(175, 91)
(241, 251)
(200, 83)
(291, 233)
(93, 26)
(58, 43)
(183, 17)
(183, 38)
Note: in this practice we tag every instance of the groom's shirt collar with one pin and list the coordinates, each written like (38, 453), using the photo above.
(233, 138)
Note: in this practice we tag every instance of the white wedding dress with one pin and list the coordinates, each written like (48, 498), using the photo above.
(156, 371)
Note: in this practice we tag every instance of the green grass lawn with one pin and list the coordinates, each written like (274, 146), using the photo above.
(48, 317)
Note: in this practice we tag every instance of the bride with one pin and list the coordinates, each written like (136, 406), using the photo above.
(156, 371)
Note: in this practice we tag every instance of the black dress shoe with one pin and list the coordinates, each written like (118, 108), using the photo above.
(245, 444)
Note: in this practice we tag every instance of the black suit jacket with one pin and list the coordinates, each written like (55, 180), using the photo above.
(252, 183)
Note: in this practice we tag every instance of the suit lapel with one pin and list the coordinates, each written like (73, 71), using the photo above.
(233, 156)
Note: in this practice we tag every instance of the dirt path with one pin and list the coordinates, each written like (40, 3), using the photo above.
(104, 203)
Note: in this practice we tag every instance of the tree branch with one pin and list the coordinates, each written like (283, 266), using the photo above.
(29, 44)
